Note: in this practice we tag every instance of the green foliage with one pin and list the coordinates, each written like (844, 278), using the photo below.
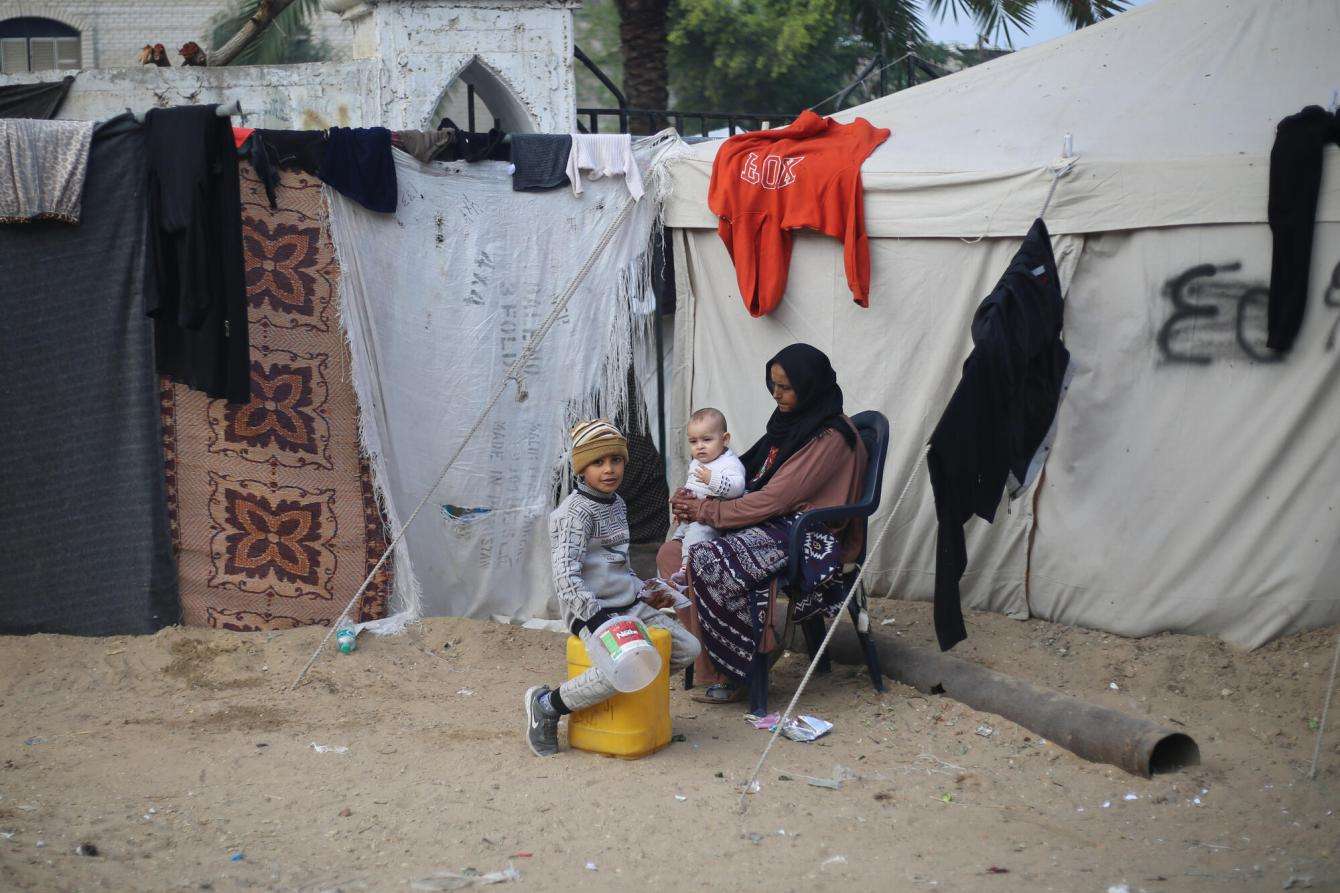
(289, 39)
(596, 31)
(760, 55)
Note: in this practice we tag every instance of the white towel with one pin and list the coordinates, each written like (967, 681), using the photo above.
(42, 169)
(604, 155)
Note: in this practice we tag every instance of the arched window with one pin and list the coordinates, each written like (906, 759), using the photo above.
(477, 99)
(29, 43)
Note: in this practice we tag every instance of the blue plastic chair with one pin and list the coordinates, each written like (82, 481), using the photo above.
(873, 429)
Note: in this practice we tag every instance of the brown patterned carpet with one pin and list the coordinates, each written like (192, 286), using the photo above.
(273, 515)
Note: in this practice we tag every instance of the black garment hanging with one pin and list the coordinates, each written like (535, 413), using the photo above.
(540, 160)
(1295, 180)
(996, 427)
(358, 163)
(198, 299)
(295, 149)
(472, 147)
(34, 100)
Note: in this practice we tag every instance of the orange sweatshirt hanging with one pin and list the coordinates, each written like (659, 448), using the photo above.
(805, 175)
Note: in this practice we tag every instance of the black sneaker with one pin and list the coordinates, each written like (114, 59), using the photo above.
(541, 723)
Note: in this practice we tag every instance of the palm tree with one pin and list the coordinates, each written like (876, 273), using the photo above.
(887, 25)
(287, 39)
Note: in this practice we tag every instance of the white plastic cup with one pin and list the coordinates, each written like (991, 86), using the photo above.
(621, 647)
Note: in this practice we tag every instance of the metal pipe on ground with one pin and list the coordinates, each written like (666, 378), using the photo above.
(1098, 734)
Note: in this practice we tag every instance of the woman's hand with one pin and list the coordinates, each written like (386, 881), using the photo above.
(684, 505)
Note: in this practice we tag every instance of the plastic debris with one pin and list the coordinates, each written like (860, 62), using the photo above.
(41, 843)
(947, 798)
(7, 835)
(996, 869)
(450, 880)
(985, 730)
(329, 748)
(803, 728)
(1131, 796)
(830, 783)
(834, 860)
(86, 849)
(678, 739)
(591, 866)
(237, 857)
(465, 692)
(888, 622)
(1113, 686)
(680, 797)
(31, 741)
(1107, 804)
(1118, 888)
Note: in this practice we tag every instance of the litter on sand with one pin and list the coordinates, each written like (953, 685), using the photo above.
(834, 860)
(329, 748)
(834, 783)
(1131, 796)
(450, 880)
(237, 857)
(985, 730)
(802, 728)
(591, 866)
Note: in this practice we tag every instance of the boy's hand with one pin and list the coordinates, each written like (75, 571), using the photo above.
(656, 595)
(704, 475)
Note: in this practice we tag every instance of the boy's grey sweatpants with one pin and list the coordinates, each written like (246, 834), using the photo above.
(592, 687)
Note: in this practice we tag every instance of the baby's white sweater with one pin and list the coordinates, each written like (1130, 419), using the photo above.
(727, 480)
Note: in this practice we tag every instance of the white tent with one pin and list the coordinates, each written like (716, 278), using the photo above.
(1194, 484)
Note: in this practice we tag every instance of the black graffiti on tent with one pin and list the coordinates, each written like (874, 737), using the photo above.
(1215, 317)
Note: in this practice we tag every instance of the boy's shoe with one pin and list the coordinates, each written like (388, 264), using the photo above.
(541, 723)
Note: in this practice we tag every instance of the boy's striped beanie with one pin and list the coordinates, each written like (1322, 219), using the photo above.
(593, 440)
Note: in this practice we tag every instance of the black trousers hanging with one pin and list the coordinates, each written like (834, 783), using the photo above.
(1295, 180)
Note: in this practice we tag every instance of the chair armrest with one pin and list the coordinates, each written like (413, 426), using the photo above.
(810, 519)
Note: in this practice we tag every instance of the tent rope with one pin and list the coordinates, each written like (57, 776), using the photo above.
(1325, 708)
(1057, 172)
(514, 373)
(832, 628)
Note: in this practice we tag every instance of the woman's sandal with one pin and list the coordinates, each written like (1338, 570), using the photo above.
(718, 693)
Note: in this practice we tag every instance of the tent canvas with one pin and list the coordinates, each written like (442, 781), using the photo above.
(1190, 487)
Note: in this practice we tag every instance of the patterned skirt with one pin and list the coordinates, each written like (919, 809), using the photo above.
(732, 582)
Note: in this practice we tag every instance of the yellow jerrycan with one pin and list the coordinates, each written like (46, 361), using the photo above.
(628, 725)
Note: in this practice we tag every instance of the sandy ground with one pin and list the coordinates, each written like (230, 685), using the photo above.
(172, 753)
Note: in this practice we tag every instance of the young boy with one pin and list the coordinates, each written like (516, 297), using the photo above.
(714, 471)
(589, 537)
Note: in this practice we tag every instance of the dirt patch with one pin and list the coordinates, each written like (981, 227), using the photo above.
(151, 749)
(198, 663)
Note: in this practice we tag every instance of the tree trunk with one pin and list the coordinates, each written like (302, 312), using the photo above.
(266, 11)
(642, 41)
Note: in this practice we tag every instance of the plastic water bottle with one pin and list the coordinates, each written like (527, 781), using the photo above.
(347, 639)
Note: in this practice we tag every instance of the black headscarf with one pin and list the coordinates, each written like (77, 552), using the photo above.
(818, 406)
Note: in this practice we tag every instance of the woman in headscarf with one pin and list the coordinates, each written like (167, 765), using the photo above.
(809, 458)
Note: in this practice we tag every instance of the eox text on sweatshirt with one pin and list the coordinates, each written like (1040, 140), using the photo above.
(806, 175)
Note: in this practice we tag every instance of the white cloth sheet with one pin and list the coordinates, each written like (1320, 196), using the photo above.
(438, 301)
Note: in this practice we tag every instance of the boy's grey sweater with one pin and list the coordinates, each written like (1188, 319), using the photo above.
(588, 534)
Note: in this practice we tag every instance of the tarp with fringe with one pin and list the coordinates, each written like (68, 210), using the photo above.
(439, 300)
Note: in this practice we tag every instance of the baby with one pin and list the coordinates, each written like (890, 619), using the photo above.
(715, 471)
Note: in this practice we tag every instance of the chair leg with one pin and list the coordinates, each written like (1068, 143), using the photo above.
(688, 677)
(871, 655)
(813, 628)
(758, 685)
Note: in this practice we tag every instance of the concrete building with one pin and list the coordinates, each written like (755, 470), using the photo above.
(408, 63)
(42, 35)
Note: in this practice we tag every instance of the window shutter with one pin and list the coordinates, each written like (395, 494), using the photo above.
(13, 55)
(41, 53)
(67, 53)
